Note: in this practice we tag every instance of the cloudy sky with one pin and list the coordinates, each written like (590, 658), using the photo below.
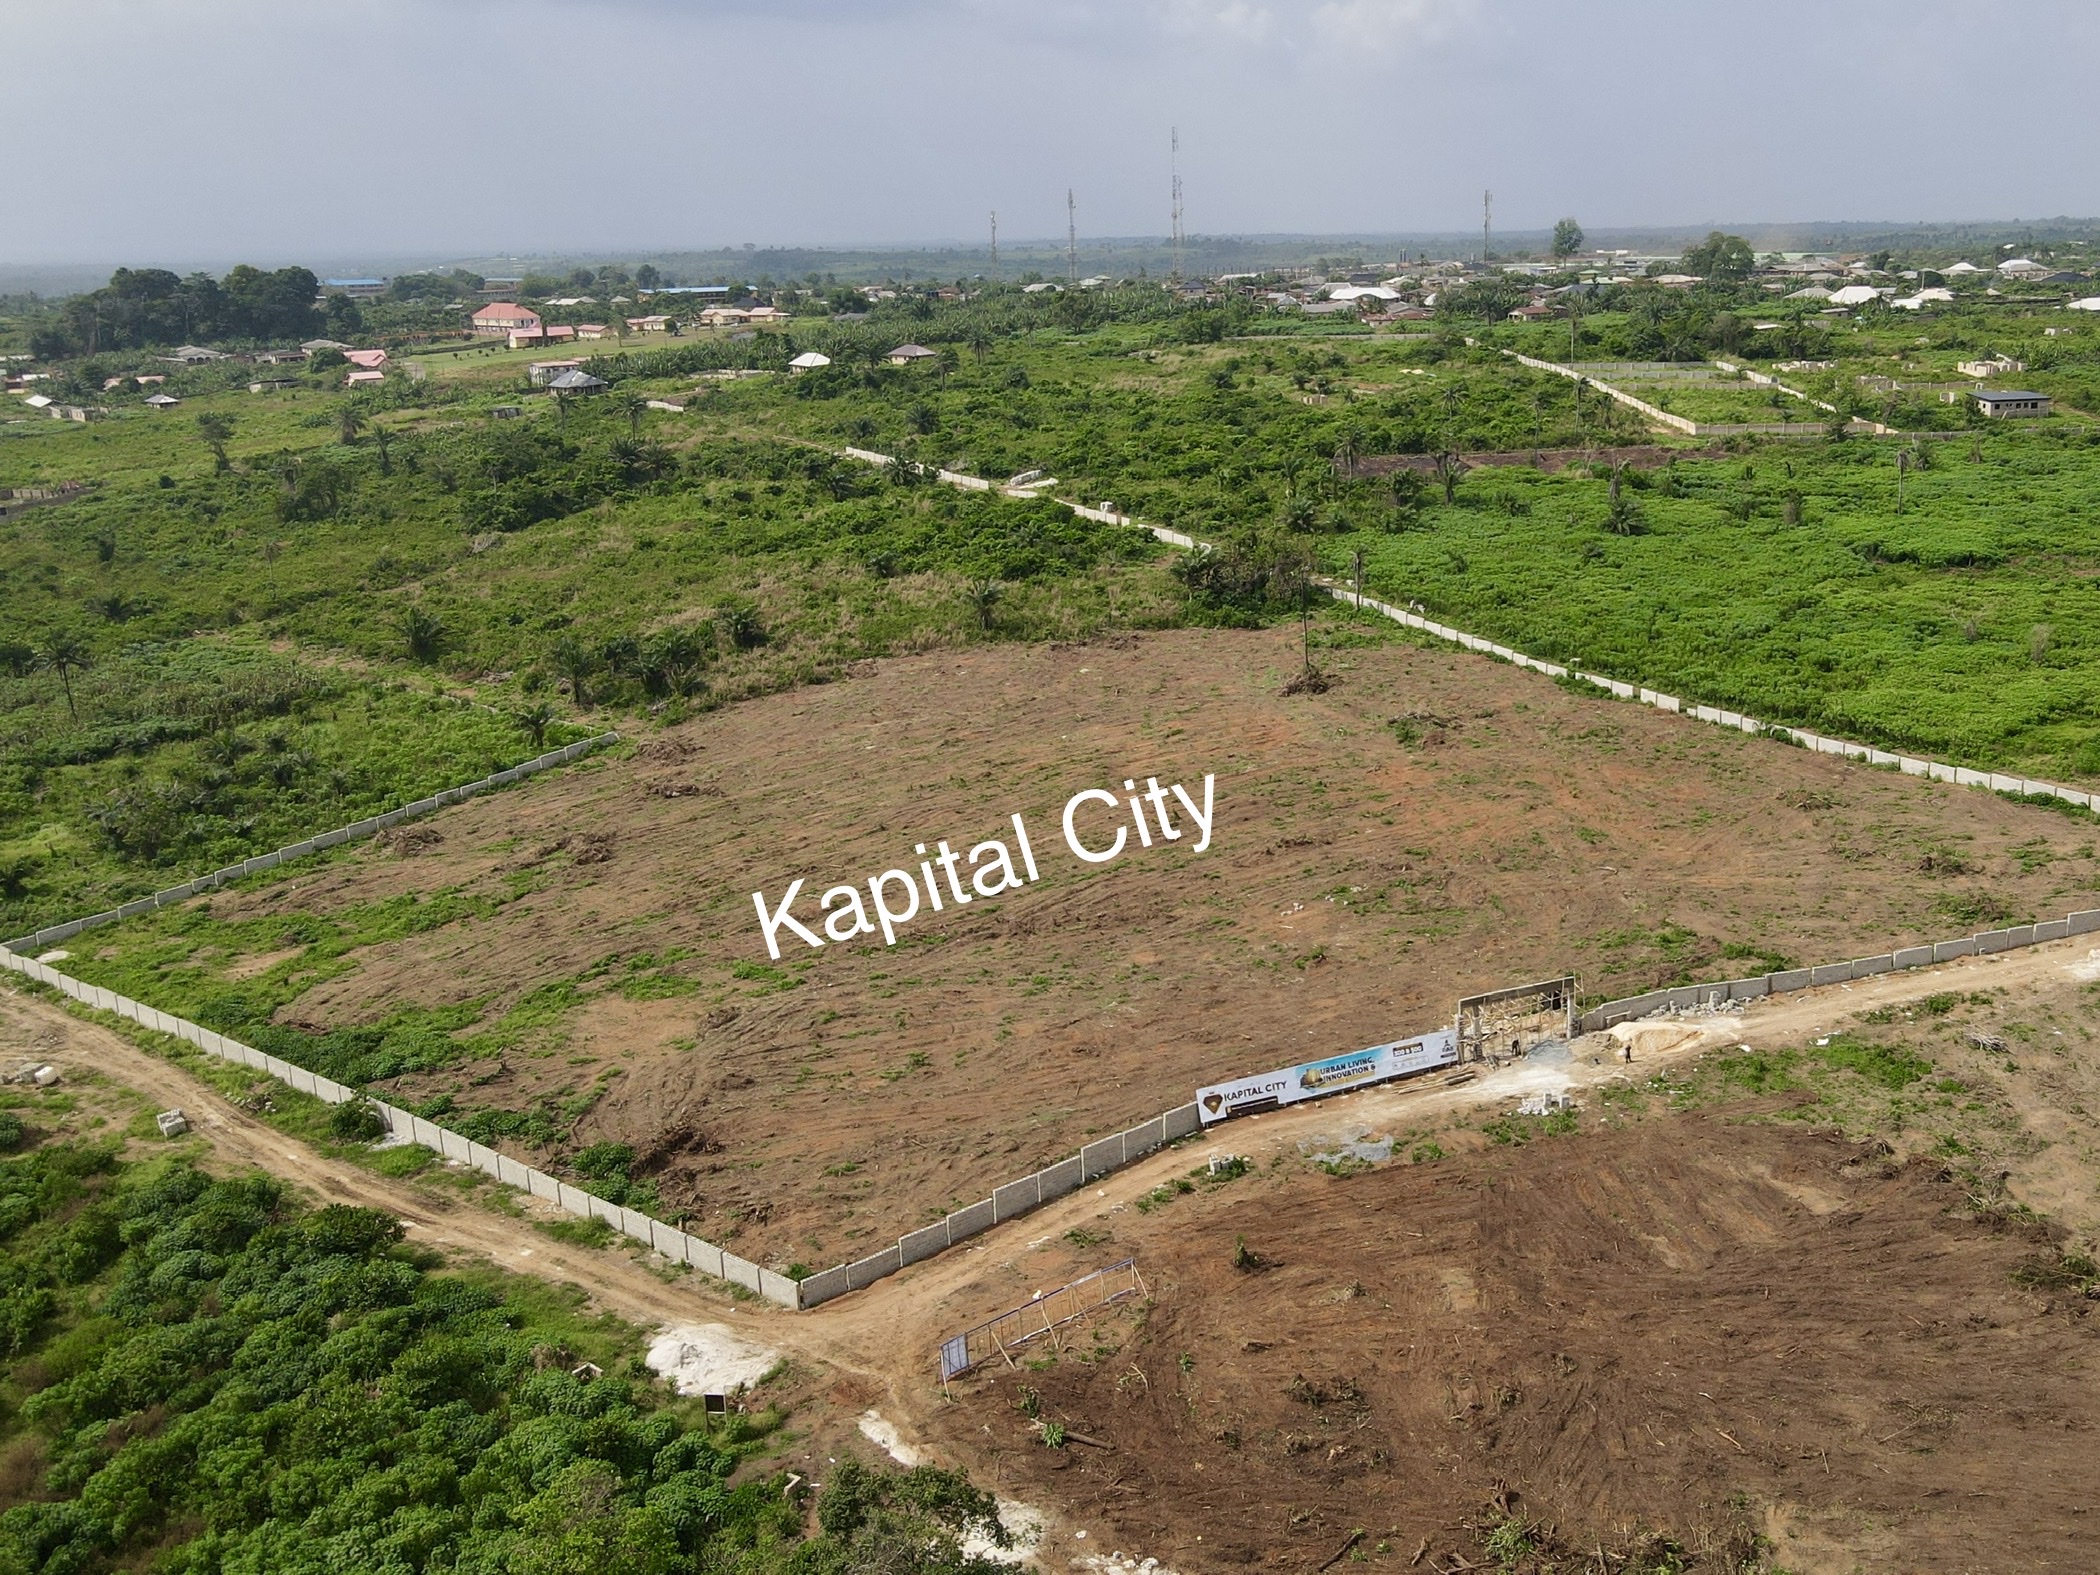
(199, 131)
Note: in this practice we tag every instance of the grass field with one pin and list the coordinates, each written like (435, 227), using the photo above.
(600, 559)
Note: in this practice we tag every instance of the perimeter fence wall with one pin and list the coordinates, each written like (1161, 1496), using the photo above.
(52, 935)
(1068, 1175)
(1909, 765)
(666, 1240)
(1708, 997)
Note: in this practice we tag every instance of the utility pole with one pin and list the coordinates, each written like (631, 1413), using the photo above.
(1487, 224)
(1175, 160)
(1071, 237)
(995, 243)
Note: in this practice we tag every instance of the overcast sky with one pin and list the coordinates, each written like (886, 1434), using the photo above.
(202, 131)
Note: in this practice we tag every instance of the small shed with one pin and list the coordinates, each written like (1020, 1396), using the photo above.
(172, 1123)
(2009, 402)
(505, 413)
(161, 401)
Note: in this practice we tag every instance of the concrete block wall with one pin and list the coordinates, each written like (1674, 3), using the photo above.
(1692, 997)
(1096, 1159)
(667, 1240)
(53, 934)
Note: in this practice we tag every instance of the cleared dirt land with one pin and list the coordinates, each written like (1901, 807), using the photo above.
(1693, 1326)
(1433, 825)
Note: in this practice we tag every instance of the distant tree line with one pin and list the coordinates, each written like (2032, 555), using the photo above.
(144, 307)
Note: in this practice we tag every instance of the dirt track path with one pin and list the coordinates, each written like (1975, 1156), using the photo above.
(885, 1339)
(27, 1023)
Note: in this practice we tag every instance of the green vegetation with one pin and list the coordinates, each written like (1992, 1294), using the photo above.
(268, 614)
(202, 1376)
(172, 758)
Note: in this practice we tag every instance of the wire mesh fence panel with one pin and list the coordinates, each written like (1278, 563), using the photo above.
(1043, 1316)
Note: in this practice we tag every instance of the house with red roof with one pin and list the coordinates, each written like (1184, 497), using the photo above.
(500, 319)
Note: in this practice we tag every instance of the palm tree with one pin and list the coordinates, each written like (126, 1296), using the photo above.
(349, 421)
(65, 653)
(1345, 455)
(385, 439)
(535, 719)
(575, 661)
(424, 633)
(655, 461)
(1449, 467)
(1454, 397)
(983, 596)
(631, 406)
(216, 428)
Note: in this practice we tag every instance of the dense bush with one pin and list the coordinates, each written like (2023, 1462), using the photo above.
(217, 1380)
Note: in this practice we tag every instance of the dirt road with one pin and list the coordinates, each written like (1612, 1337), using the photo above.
(860, 1333)
(875, 1349)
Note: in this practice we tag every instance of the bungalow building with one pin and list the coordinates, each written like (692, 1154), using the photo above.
(905, 355)
(541, 373)
(590, 330)
(655, 323)
(161, 401)
(576, 381)
(360, 376)
(369, 360)
(194, 355)
(2002, 403)
(809, 361)
(501, 319)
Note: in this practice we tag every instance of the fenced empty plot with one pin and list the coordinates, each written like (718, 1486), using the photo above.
(1043, 1316)
(53, 934)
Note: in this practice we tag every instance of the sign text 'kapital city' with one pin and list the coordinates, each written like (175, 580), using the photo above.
(1099, 826)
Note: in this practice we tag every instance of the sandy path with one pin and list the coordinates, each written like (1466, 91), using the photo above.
(886, 1338)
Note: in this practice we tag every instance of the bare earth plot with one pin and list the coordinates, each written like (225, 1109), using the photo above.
(1708, 1325)
(1436, 824)
(1696, 1326)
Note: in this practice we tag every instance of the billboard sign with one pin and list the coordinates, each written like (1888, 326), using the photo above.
(1335, 1075)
